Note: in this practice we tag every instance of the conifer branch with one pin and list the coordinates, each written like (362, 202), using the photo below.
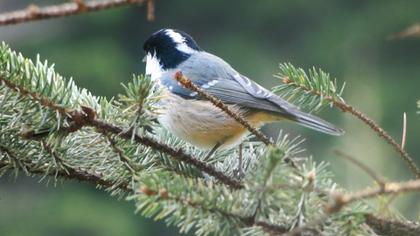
(319, 85)
(34, 13)
(179, 154)
(162, 194)
(32, 168)
(380, 225)
(88, 118)
(383, 226)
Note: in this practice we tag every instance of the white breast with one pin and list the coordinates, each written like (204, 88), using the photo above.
(153, 68)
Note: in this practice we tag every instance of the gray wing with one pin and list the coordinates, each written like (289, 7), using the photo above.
(219, 79)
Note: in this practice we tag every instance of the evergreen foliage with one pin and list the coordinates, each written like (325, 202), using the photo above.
(52, 128)
(313, 90)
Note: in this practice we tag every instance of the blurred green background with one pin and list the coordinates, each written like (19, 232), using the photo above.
(346, 38)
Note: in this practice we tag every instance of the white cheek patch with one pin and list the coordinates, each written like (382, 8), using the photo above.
(153, 67)
(183, 47)
(180, 41)
(176, 37)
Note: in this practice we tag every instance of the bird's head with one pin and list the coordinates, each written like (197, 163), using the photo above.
(167, 48)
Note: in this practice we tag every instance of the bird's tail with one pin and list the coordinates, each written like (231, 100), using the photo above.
(315, 123)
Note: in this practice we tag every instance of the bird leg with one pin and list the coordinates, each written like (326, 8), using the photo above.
(212, 151)
(239, 171)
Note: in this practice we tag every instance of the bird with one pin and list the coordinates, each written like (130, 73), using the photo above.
(196, 120)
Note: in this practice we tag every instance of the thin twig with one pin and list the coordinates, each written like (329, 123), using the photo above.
(345, 107)
(404, 132)
(382, 133)
(60, 164)
(187, 83)
(150, 10)
(128, 163)
(340, 200)
(412, 31)
(379, 179)
(33, 12)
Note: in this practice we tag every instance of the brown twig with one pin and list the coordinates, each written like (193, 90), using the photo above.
(345, 107)
(339, 200)
(187, 83)
(411, 31)
(379, 179)
(382, 133)
(33, 12)
(150, 10)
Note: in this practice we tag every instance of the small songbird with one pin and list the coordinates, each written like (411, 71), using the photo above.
(196, 120)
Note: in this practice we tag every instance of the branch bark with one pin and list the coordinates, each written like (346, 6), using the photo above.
(34, 13)
(340, 200)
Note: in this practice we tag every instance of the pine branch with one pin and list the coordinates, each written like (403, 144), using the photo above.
(381, 226)
(162, 195)
(31, 168)
(87, 118)
(391, 227)
(317, 90)
(179, 154)
(34, 13)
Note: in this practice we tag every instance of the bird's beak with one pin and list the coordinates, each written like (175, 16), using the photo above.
(144, 59)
